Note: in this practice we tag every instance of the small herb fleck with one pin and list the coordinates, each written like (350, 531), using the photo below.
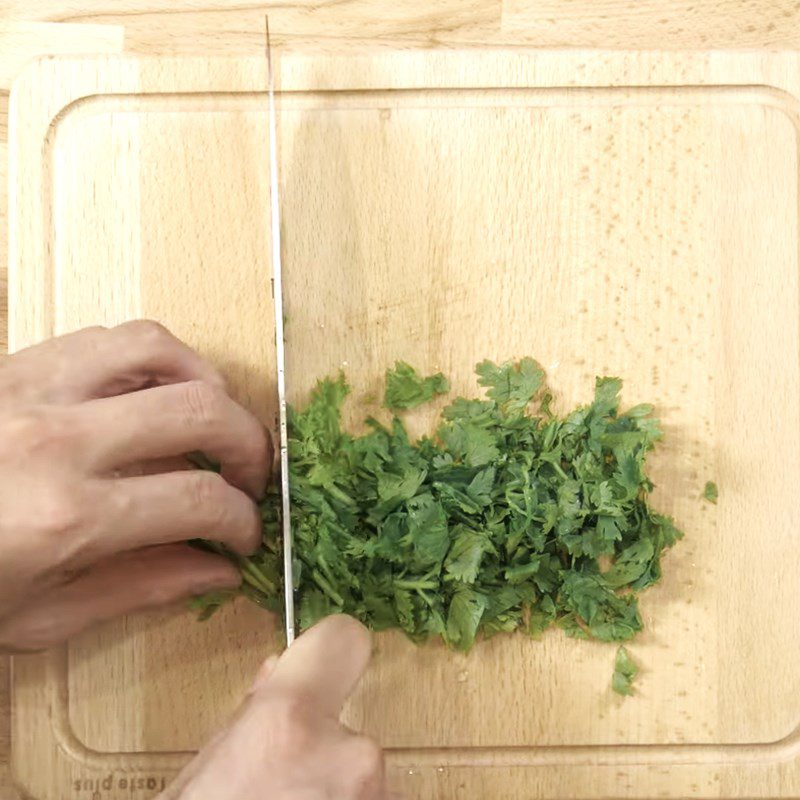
(207, 604)
(625, 671)
(710, 492)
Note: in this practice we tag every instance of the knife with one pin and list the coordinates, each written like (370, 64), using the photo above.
(280, 351)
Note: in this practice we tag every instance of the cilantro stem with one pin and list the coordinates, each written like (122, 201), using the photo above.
(420, 584)
(250, 572)
(256, 578)
(335, 492)
(256, 596)
(323, 584)
(516, 507)
(326, 570)
(425, 597)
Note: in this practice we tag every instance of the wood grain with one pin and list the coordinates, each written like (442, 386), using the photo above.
(650, 200)
(20, 42)
(201, 28)
(7, 791)
(214, 26)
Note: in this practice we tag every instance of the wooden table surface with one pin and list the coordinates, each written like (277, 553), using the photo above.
(217, 27)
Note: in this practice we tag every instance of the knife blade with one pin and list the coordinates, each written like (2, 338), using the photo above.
(280, 349)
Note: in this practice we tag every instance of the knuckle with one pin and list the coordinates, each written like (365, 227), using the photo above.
(61, 515)
(147, 330)
(22, 429)
(94, 330)
(202, 403)
(259, 445)
(120, 500)
(37, 430)
(208, 490)
(228, 514)
(85, 337)
(292, 707)
(248, 532)
(290, 723)
(66, 530)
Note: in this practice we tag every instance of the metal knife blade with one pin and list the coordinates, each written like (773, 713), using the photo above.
(280, 350)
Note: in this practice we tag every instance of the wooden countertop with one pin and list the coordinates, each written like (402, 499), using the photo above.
(217, 27)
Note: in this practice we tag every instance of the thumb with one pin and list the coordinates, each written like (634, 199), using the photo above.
(263, 674)
(324, 665)
(194, 766)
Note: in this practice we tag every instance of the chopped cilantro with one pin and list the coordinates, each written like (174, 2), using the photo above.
(509, 517)
(406, 388)
(625, 671)
(710, 492)
(511, 385)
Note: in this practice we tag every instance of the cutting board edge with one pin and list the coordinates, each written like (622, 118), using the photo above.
(40, 682)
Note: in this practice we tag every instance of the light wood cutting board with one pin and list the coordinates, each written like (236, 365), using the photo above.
(607, 213)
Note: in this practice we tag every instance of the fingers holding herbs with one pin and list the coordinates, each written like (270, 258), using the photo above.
(181, 418)
(125, 583)
(69, 518)
(157, 509)
(102, 362)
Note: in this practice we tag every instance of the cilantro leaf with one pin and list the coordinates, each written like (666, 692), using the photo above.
(466, 553)
(541, 616)
(469, 443)
(315, 605)
(606, 397)
(480, 487)
(406, 388)
(710, 492)
(464, 617)
(511, 385)
(606, 615)
(631, 563)
(427, 531)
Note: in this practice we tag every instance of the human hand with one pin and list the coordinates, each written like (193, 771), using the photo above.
(286, 741)
(92, 504)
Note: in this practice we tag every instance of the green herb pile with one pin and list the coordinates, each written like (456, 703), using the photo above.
(508, 517)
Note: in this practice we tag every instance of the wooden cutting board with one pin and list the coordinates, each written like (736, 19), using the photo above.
(605, 212)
